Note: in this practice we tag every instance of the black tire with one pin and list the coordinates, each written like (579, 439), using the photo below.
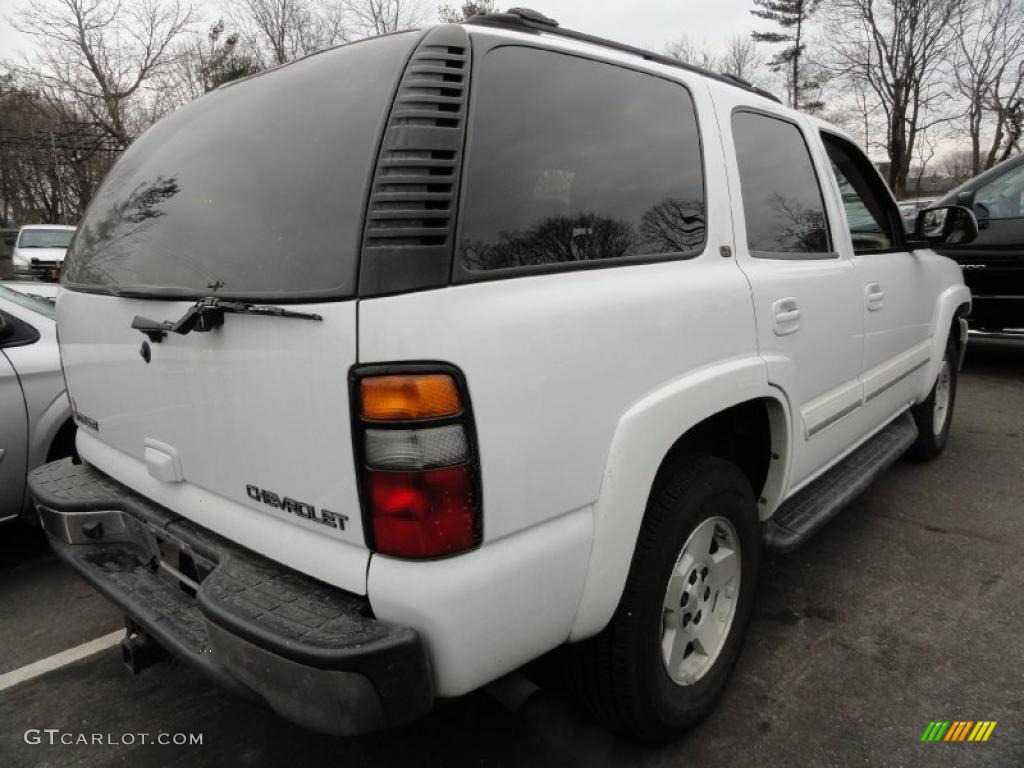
(620, 674)
(930, 443)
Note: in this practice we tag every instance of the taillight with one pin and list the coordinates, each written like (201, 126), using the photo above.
(416, 450)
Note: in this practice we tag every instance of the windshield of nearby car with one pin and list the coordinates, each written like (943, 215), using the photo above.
(45, 238)
(1002, 198)
(39, 304)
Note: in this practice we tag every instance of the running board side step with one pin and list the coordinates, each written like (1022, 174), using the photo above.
(801, 516)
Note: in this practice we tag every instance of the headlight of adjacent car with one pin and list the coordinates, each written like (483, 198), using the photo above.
(19, 259)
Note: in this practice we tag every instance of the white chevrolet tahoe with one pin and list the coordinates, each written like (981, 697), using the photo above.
(404, 364)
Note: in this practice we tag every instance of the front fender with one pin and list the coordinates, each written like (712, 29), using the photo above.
(954, 301)
(643, 437)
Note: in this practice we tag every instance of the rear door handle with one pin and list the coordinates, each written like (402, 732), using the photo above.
(874, 296)
(785, 316)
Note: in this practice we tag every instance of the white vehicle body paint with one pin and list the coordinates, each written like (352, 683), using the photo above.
(581, 383)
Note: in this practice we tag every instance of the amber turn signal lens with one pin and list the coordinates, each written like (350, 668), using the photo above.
(409, 397)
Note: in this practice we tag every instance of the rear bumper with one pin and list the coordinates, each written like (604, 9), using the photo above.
(312, 652)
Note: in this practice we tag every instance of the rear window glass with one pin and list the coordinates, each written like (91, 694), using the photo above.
(572, 160)
(255, 190)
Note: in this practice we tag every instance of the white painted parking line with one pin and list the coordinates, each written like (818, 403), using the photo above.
(58, 660)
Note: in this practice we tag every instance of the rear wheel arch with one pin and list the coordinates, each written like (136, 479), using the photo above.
(754, 434)
(751, 435)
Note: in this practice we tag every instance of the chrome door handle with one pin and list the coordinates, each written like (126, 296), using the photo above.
(874, 296)
(785, 317)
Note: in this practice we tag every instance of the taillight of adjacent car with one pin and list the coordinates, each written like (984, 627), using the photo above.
(415, 447)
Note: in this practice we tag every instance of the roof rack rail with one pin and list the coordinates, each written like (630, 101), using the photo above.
(534, 21)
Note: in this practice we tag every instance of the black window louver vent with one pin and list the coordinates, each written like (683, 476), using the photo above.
(408, 240)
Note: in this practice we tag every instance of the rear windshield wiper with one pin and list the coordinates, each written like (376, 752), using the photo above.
(207, 314)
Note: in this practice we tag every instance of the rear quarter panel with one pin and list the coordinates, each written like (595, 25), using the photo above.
(565, 372)
(556, 366)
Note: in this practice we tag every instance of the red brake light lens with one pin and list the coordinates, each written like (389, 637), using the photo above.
(422, 514)
(415, 446)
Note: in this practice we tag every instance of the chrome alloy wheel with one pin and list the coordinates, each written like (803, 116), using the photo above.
(700, 601)
(942, 390)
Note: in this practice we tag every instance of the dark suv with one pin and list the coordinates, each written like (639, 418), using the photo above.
(993, 263)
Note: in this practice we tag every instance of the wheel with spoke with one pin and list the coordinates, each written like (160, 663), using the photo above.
(668, 651)
(934, 415)
(700, 601)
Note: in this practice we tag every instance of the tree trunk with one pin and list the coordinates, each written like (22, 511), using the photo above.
(796, 64)
(975, 128)
(899, 161)
(997, 141)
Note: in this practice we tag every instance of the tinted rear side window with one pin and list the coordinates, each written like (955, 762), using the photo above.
(782, 203)
(256, 190)
(572, 160)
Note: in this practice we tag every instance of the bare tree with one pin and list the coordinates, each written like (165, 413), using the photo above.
(926, 148)
(281, 30)
(101, 54)
(51, 157)
(378, 17)
(899, 50)
(989, 73)
(957, 165)
(857, 110)
(451, 14)
(1006, 96)
(203, 62)
(687, 52)
(741, 58)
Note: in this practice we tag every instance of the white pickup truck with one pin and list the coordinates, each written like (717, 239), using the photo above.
(478, 342)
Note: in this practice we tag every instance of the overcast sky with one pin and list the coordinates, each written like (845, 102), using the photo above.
(647, 23)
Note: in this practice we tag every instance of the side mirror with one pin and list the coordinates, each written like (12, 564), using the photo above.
(5, 328)
(948, 224)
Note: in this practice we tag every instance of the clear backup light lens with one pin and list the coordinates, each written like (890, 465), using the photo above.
(412, 449)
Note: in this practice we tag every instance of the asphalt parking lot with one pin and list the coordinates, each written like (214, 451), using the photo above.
(908, 608)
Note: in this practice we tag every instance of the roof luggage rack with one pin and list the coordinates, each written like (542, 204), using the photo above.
(534, 21)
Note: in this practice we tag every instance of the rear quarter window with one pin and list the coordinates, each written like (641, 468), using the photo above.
(574, 162)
